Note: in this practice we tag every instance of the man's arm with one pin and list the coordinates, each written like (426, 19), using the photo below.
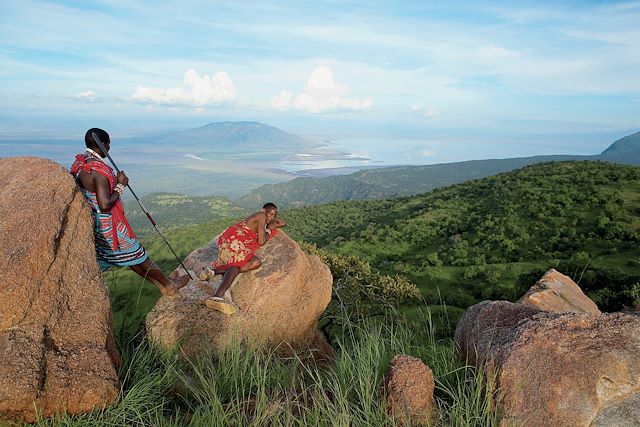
(262, 233)
(106, 199)
(276, 223)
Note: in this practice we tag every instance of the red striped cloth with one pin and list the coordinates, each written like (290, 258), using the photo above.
(117, 210)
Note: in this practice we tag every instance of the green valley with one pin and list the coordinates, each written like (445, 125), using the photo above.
(490, 238)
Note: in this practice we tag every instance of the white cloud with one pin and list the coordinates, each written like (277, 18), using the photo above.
(197, 90)
(193, 156)
(88, 95)
(427, 152)
(320, 94)
(423, 111)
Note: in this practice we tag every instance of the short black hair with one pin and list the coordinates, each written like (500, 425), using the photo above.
(269, 205)
(101, 134)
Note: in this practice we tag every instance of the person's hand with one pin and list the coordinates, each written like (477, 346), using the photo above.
(122, 178)
(277, 223)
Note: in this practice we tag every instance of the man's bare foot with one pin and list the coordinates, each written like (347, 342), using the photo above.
(220, 304)
(207, 273)
(175, 285)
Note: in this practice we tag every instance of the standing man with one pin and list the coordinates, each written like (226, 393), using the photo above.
(114, 239)
(236, 247)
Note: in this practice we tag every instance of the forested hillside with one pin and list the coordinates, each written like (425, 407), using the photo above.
(485, 239)
(491, 238)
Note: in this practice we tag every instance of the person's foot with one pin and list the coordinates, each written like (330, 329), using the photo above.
(220, 304)
(207, 274)
(175, 285)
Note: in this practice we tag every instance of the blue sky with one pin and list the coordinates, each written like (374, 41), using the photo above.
(517, 72)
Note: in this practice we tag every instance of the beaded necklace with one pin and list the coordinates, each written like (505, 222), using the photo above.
(93, 154)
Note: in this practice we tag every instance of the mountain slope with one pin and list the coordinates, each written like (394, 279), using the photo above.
(475, 240)
(624, 150)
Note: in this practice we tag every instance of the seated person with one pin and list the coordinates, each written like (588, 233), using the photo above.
(115, 242)
(236, 248)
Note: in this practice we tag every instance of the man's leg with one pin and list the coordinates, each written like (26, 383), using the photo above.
(232, 273)
(150, 271)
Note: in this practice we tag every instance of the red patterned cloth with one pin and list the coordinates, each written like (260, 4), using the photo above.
(117, 210)
(236, 245)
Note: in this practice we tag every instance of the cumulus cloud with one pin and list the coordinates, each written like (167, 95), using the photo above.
(423, 111)
(197, 90)
(427, 152)
(89, 96)
(321, 93)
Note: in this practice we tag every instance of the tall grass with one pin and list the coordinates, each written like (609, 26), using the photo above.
(248, 386)
(465, 395)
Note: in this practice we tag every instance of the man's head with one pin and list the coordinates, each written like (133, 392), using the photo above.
(91, 143)
(270, 210)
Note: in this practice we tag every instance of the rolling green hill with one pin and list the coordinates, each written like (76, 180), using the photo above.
(492, 238)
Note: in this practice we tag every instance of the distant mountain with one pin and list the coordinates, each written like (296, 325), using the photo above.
(411, 180)
(238, 135)
(224, 158)
(625, 150)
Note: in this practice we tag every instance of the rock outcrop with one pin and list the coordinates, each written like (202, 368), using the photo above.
(278, 304)
(57, 350)
(557, 292)
(408, 391)
(556, 369)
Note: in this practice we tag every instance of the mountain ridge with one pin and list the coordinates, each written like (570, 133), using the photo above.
(395, 181)
(408, 180)
(629, 145)
(243, 134)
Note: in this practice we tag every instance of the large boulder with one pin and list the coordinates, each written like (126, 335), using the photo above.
(557, 292)
(278, 304)
(408, 391)
(57, 350)
(556, 369)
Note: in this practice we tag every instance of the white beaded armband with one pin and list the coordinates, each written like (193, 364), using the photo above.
(120, 189)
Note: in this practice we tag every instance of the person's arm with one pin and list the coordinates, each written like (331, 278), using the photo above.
(106, 199)
(276, 223)
(262, 232)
